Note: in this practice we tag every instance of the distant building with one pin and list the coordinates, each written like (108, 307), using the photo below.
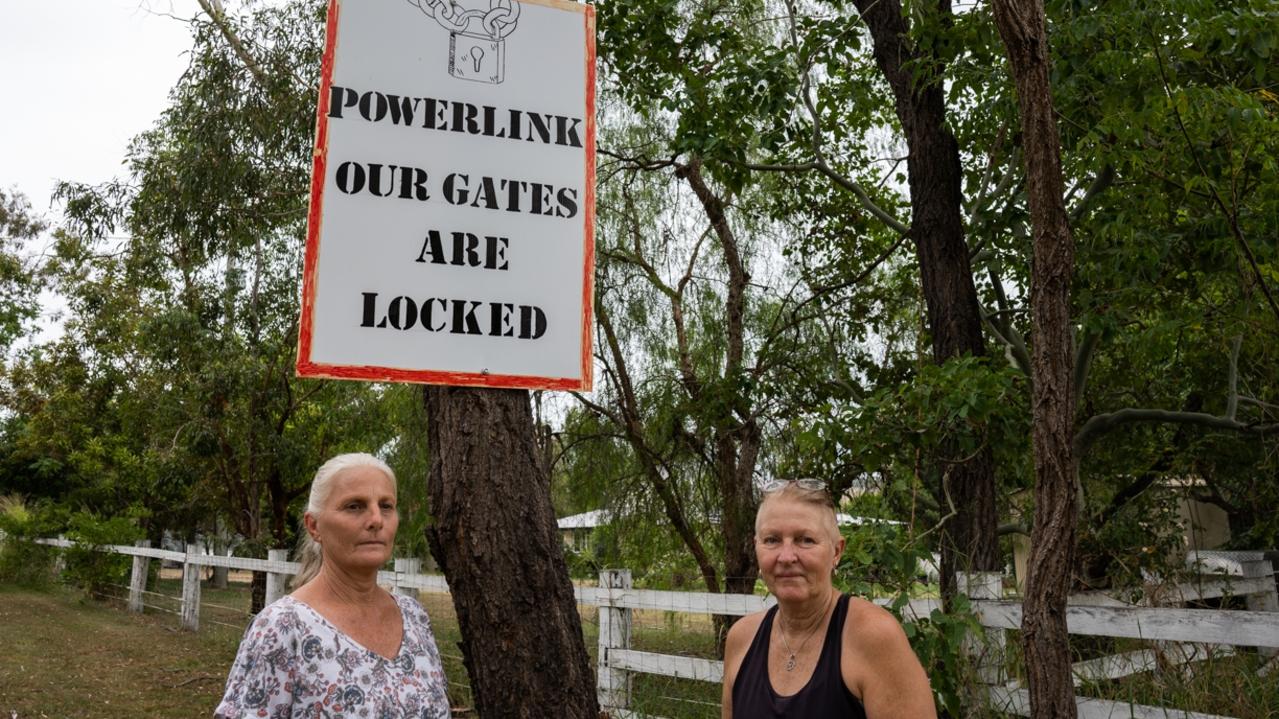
(576, 530)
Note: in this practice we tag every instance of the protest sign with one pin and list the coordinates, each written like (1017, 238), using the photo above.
(452, 202)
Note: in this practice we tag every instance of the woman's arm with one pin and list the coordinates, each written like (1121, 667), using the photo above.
(891, 680)
(262, 676)
(735, 646)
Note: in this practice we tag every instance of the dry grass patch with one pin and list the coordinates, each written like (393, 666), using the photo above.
(67, 657)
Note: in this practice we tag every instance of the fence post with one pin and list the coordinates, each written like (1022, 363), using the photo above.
(276, 582)
(613, 685)
(1267, 601)
(60, 557)
(138, 580)
(988, 650)
(403, 566)
(191, 588)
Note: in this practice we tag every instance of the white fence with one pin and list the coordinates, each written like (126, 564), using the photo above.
(1182, 636)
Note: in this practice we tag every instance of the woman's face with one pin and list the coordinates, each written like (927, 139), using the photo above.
(797, 548)
(356, 528)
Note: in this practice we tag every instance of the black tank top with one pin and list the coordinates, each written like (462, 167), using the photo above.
(824, 696)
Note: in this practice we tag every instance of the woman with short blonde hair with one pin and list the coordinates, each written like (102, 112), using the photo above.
(817, 654)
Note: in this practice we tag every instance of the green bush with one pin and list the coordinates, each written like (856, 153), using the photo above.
(880, 559)
(87, 566)
(22, 561)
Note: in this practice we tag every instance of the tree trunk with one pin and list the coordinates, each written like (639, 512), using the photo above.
(257, 592)
(494, 536)
(969, 539)
(738, 439)
(220, 542)
(1045, 641)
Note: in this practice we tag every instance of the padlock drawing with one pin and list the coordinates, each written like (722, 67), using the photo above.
(479, 58)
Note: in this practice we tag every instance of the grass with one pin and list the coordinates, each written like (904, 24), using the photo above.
(69, 657)
(1220, 685)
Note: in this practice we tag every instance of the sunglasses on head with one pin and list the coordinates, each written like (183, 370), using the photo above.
(774, 485)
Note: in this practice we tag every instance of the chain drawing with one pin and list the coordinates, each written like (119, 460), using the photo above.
(477, 38)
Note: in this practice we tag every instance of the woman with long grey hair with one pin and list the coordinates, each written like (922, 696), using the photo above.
(340, 645)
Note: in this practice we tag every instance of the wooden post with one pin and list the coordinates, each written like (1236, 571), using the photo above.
(138, 580)
(276, 582)
(1267, 601)
(60, 557)
(191, 589)
(405, 566)
(613, 686)
(987, 651)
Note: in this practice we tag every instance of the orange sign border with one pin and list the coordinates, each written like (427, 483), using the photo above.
(310, 264)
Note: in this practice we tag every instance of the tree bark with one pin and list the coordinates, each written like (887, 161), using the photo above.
(257, 592)
(1045, 641)
(968, 538)
(494, 536)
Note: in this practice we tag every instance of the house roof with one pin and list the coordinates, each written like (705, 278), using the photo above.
(845, 520)
(585, 520)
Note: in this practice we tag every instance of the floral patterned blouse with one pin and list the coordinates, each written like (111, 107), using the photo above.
(293, 663)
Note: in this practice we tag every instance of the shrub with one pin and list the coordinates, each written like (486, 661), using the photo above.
(87, 566)
(880, 559)
(22, 561)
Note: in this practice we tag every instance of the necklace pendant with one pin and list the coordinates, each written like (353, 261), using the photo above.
(790, 663)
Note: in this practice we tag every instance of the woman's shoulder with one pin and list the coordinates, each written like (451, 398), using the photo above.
(751, 621)
(744, 630)
(284, 614)
(871, 628)
(412, 609)
(738, 642)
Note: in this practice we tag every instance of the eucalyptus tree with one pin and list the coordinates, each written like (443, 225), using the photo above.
(713, 349)
(812, 91)
(19, 282)
(183, 279)
(1168, 144)
(1203, 87)
(1024, 29)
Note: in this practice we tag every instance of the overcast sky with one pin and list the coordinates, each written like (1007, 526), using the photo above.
(82, 77)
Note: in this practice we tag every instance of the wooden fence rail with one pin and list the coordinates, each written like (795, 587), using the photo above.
(1239, 574)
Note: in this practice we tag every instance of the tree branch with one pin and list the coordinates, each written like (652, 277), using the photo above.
(214, 10)
(1084, 353)
(1102, 423)
(866, 202)
(1008, 528)
(1232, 379)
(1104, 180)
(1011, 338)
(639, 162)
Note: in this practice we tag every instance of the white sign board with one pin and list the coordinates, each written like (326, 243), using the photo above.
(452, 197)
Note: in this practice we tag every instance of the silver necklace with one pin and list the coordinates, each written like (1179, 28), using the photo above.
(790, 661)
